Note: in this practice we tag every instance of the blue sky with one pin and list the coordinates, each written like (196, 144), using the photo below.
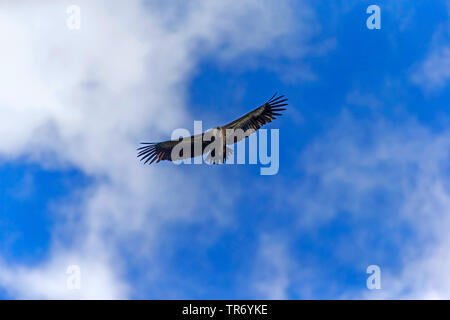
(363, 150)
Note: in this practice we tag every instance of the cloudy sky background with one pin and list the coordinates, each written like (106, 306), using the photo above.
(364, 161)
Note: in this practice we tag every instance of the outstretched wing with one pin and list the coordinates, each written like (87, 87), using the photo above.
(255, 119)
(248, 123)
(151, 152)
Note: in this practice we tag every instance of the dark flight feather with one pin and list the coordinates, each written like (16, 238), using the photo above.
(151, 152)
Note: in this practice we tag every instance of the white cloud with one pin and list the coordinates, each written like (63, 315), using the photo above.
(390, 182)
(98, 279)
(434, 72)
(85, 98)
(271, 276)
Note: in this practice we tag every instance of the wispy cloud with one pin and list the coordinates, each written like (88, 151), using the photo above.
(83, 99)
(434, 72)
(273, 268)
(389, 182)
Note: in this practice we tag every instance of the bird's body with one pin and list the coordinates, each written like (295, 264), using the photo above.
(214, 141)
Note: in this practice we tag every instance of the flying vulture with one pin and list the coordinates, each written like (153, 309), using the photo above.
(214, 141)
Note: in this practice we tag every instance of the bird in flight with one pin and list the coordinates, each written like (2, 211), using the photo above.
(213, 142)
